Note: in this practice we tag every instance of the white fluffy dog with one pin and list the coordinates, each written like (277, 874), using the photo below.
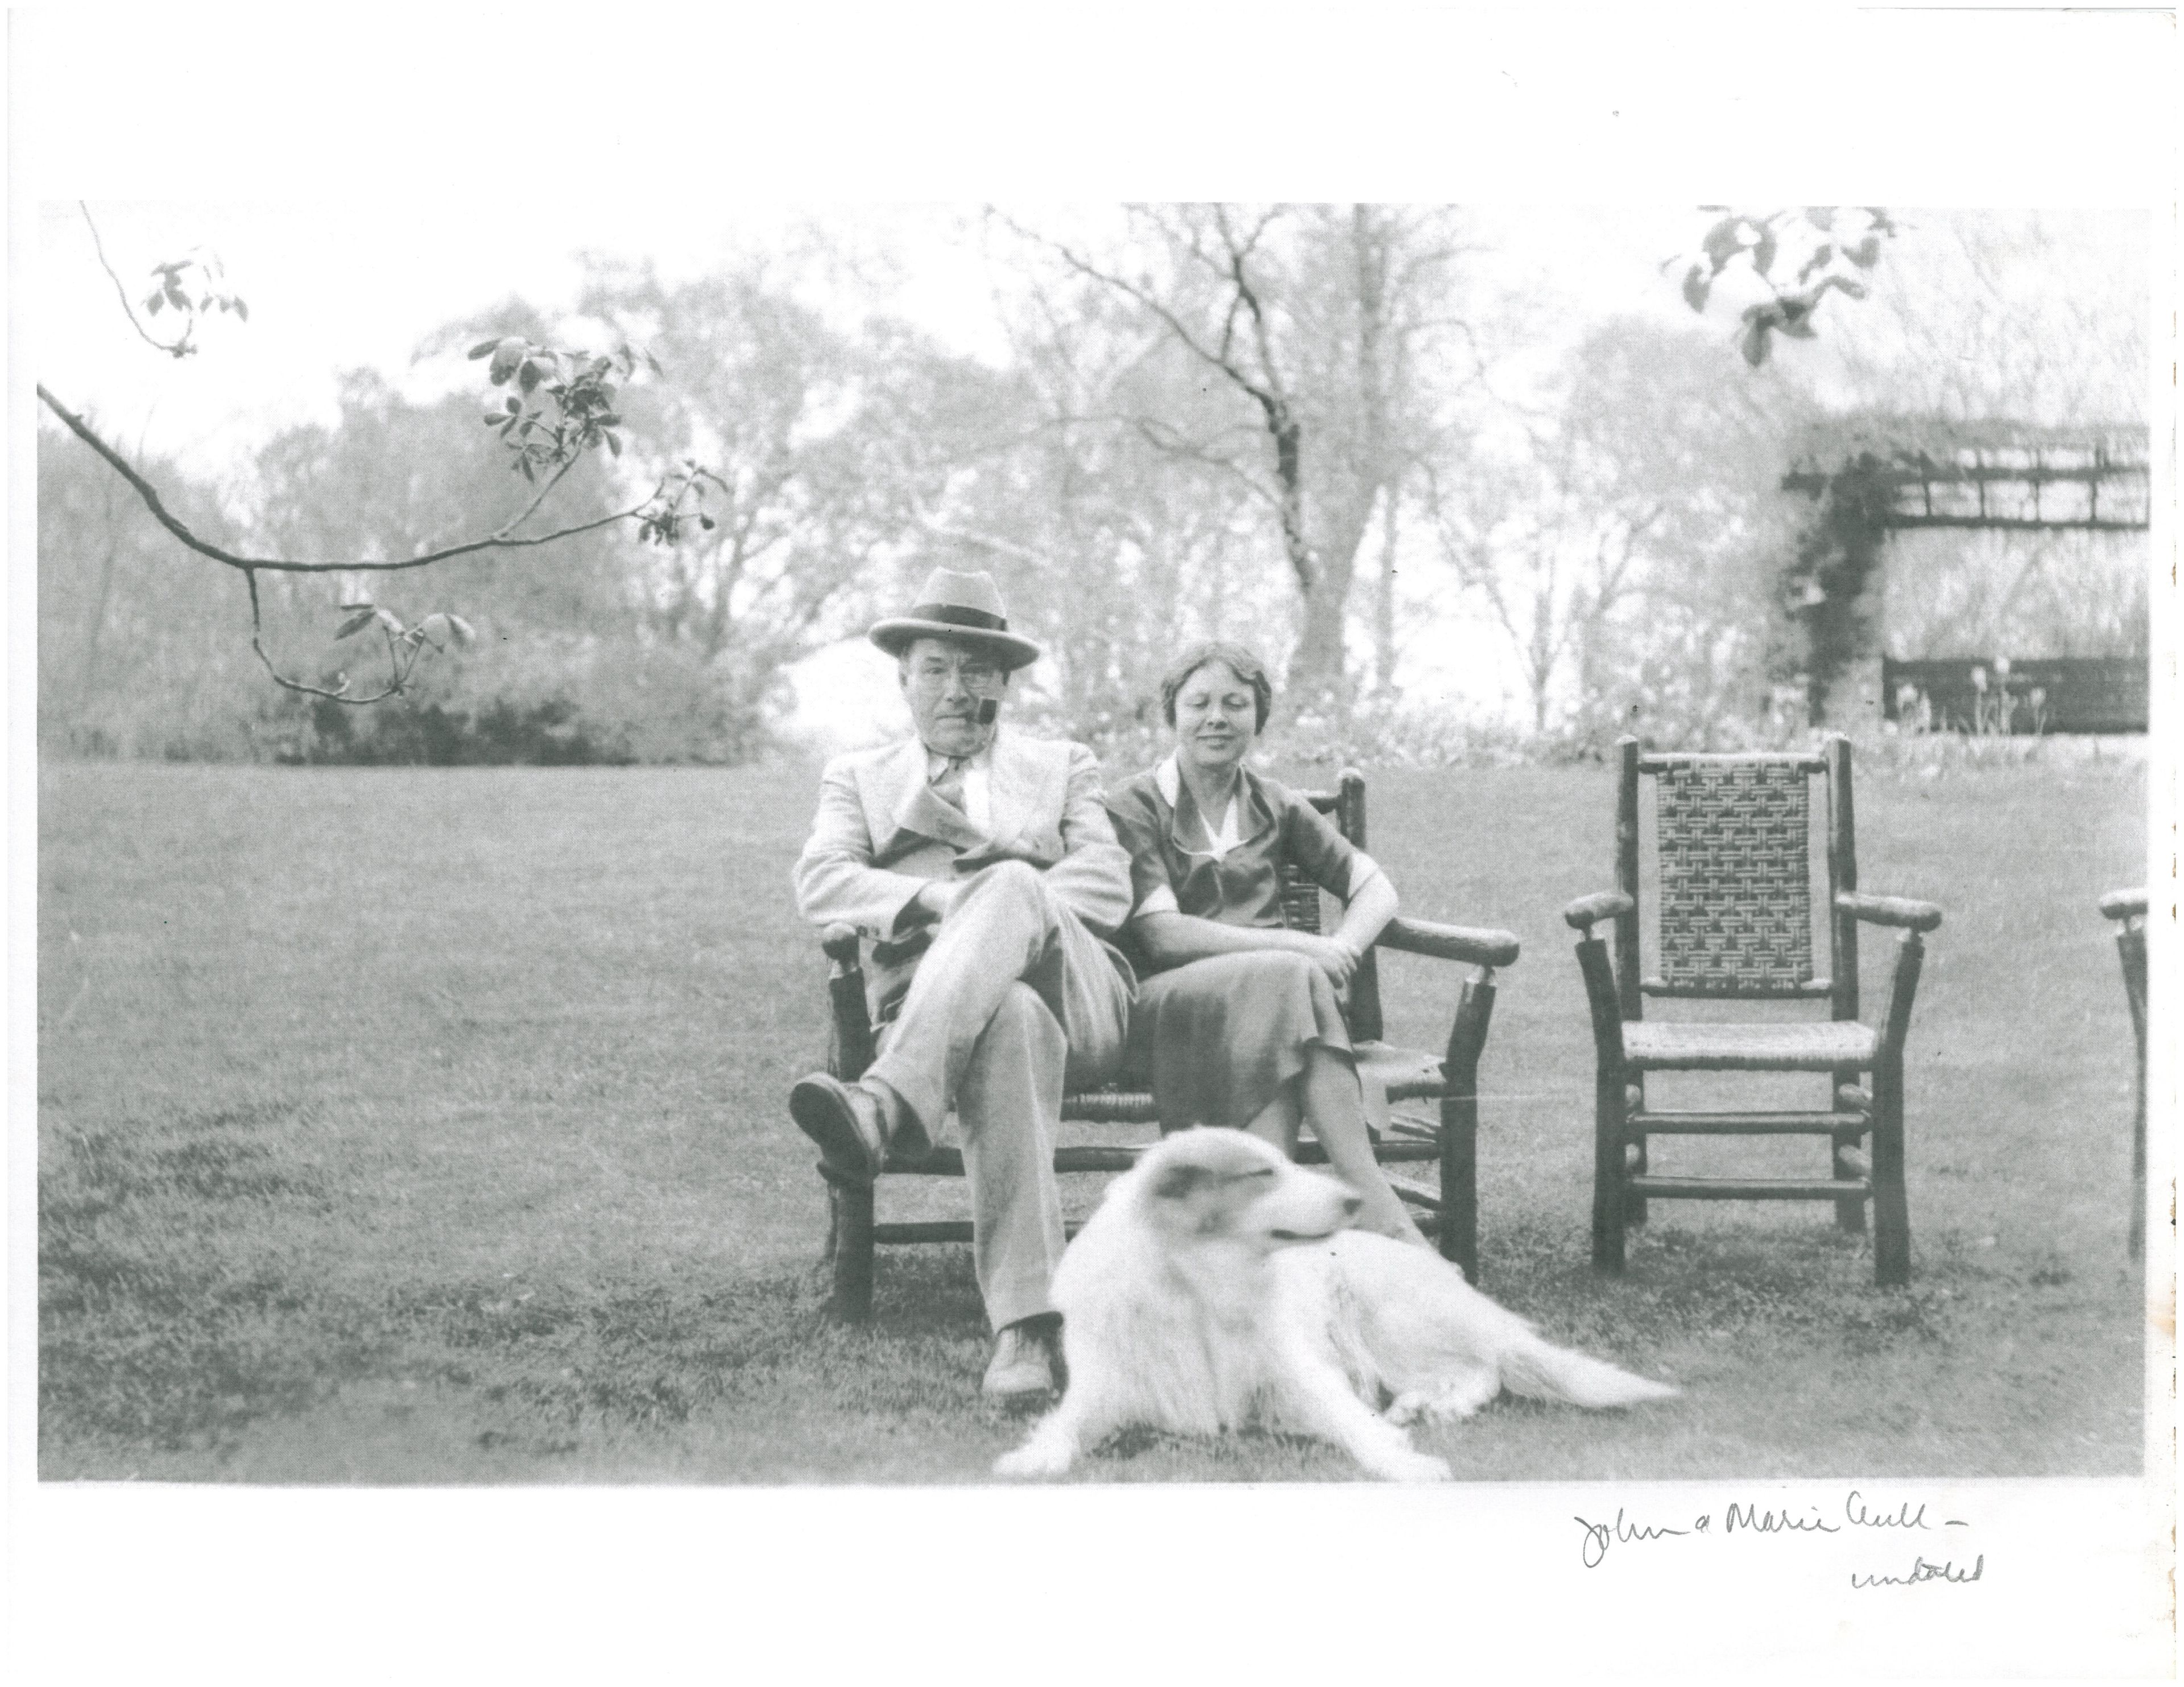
(1216, 1286)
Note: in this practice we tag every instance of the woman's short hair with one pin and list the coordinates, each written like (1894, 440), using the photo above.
(1237, 659)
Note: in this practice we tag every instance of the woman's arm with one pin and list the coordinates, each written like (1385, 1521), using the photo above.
(1170, 939)
(1370, 906)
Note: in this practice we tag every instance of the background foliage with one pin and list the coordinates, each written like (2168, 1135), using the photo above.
(1461, 519)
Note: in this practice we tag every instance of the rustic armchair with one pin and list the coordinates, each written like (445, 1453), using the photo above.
(1449, 1211)
(2127, 908)
(1736, 875)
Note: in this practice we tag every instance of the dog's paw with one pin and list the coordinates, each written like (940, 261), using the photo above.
(1033, 1460)
(1410, 1466)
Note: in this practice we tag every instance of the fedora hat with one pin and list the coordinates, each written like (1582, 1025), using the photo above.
(962, 606)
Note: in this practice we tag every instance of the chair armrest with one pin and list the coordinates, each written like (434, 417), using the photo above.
(1603, 904)
(1483, 945)
(840, 943)
(1889, 911)
(2124, 904)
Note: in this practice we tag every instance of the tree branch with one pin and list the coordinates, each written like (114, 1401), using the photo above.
(181, 348)
(181, 531)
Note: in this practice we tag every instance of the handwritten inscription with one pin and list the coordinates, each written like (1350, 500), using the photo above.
(1858, 1510)
(1921, 1570)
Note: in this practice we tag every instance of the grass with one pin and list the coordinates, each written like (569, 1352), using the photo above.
(427, 1126)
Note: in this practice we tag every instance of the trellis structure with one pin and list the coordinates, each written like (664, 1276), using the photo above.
(1874, 476)
(2097, 480)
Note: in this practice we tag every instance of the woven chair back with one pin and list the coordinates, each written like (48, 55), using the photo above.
(1734, 844)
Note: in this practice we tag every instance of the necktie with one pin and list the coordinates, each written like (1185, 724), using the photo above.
(948, 785)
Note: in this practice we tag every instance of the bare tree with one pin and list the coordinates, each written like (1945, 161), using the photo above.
(1315, 321)
(1604, 532)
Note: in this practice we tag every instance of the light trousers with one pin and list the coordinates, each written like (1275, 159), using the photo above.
(1015, 1002)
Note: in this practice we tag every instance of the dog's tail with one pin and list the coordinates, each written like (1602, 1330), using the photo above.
(1540, 1371)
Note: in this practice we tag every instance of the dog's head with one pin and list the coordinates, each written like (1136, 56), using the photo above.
(1224, 1185)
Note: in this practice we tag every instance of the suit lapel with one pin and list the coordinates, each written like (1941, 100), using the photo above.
(1011, 788)
(914, 815)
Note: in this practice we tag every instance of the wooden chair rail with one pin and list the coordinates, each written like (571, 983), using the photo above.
(1588, 911)
(1483, 945)
(2124, 904)
(1889, 911)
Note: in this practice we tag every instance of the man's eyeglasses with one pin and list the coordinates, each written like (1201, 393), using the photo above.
(977, 674)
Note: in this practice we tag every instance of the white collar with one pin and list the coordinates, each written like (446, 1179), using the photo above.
(1221, 835)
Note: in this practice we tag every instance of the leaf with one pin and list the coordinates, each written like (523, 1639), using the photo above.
(506, 356)
(1762, 251)
(528, 375)
(465, 633)
(364, 616)
(1819, 260)
(1754, 342)
(177, 298)
(1697, 285)
(242, 310)
(388, 619)
(1866, 253)
(614, 444)
(1721, 243)
(707, 523)
(513, 404)
(482, 348)
(1821, 217)
(151, 304)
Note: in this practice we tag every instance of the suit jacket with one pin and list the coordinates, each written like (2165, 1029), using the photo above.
(881, 835)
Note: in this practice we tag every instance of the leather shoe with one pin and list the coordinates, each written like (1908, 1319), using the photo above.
(847, 1122)
(1024, 1368)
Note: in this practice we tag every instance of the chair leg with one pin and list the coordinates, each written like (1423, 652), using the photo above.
(849, 1249)
(2137, 1242)
(1891, 1212)
(1611, 1198)
(1459, 1185)
(1459, 1127)
(1850, 1213)
(1610, 1195)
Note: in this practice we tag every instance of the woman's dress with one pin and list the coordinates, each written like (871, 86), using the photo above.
(1218, 1039)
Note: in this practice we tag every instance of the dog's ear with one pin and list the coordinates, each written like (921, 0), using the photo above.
(1180, 1182)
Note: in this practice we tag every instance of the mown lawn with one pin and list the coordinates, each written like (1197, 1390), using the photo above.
(427, 1126)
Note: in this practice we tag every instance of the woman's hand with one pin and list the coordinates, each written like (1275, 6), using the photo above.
(1330, 955)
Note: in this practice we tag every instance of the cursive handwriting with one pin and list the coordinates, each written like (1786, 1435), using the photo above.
(1858, 1513)
(1902, 1516)
(1599, 1537)
(1921, 1570)
(1775, 1523)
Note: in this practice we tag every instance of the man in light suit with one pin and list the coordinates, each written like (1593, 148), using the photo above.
(982, 870)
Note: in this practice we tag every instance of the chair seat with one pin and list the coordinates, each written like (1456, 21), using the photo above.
(1809, 1045)
(1404, 1074)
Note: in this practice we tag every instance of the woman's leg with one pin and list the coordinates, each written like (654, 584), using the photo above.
(1276, 1122)
(1336, 1107)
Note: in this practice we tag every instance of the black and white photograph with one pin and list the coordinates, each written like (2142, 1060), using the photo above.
(1453, 842)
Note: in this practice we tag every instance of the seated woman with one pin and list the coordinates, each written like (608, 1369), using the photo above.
(1236, 1021)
